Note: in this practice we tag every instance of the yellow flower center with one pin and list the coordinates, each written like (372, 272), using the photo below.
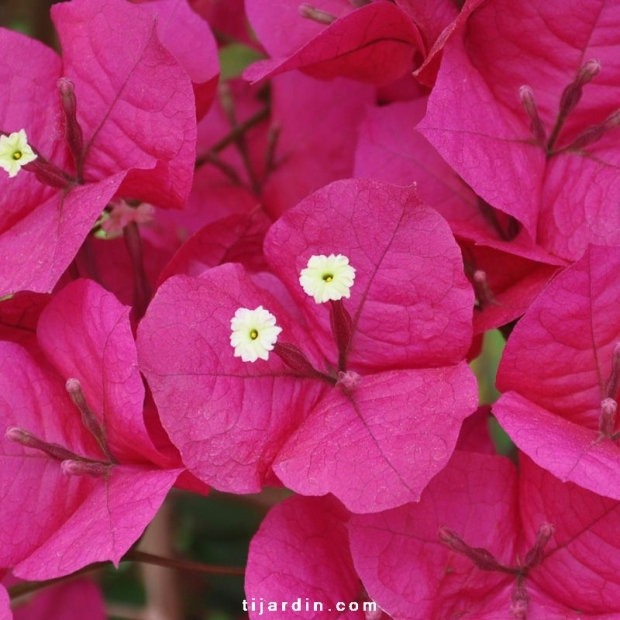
(17, 155)
(253, 334)
(328, 277)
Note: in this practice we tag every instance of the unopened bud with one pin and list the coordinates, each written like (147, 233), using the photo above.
(85, 468)
(73, 131)
(607, 420)
(589, 71)
(482, 289)
(480, 557)
(572, 93)
(48, 173)
(612, 121)
(526, 95)
(310, 12)
(342, 328)
(56, 451)
(535, 555)
(18, 435)
(595, 132)
(89, 419)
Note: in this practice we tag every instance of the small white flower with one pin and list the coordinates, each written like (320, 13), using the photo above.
(15, 152)
(327, 277)
(254, 333)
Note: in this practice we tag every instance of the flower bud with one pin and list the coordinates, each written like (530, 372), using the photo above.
(73, 131)
(480, 557)
(526, 95)
(89, 419)
(56, 451)
(322, 17)
(85, 468)
(572, 93)
(607, 419)
(595, 132)
(535, 555)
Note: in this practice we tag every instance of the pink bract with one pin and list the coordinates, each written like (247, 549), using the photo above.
(136, 112)
(84, 334)
(555, 374)
(374, 446)
(301, 551)
(237, 238)
(317, 125)
(561, 190)
(189, 38)
(391, 149)
(375, 44)
(280, 27)
(512, 547)
(135, 102)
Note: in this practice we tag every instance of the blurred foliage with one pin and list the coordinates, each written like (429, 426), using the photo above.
(234, 58)
(485, 368)
(214, 530)
(32, 17)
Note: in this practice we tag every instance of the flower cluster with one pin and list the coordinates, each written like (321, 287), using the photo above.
(294, 277)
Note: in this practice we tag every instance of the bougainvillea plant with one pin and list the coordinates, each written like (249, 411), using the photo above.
(264, 258)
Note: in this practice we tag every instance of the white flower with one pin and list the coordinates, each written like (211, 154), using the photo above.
(254, 333)
(15, 152)
(327, 277)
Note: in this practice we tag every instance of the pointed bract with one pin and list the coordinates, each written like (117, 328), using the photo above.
(554, 545)
(561, 191)
(554, 372)
(46, 514)
(301, 551)
(396, 344)
(374, 44)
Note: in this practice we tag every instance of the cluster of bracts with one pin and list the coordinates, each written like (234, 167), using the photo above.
(280, 279)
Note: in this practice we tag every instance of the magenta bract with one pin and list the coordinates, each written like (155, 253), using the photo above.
(114, 478)
(190, 40)
(281, 29)
(318, 124)
(557, 369)
(541, 157)
(301, 552)
(374, 44)
(374, 442)
(135, 109)
(483, 543)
